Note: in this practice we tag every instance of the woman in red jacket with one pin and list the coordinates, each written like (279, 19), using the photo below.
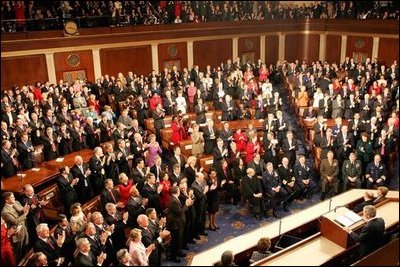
(177, 130)
(240, 140)
(252, 148)
(7, 254)
(166, 190)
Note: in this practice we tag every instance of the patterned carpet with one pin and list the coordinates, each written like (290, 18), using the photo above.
(236, 220)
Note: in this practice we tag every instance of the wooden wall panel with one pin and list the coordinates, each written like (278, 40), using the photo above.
(332, 48)
(388, 50)
(211, 52)
(271, 49)
(124, 59)
(23, 70)
(359, 44)
(249, 45)
(63, 63)
(172, 52)
(302, 47)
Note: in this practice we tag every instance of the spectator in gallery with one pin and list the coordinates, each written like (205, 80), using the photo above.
(263, 246)
(227, 259)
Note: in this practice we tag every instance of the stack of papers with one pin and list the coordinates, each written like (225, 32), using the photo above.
(349, 218)
(59, 159)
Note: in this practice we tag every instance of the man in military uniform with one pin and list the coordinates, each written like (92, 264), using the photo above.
(273, 187)
(303, 174)
(375, 173)
(329, 170)
(289, 182)
(351, 171)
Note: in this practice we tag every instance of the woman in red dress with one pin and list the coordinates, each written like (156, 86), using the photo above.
(240, 140)
(166, 191)
(252, 148)
(177, 130)
(7, 254)
(264, 73)
(124, 186)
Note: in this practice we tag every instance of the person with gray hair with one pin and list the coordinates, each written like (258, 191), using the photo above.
(124, 257)
(371, 235)
(85, 256)
(47, 244)
(227, 259)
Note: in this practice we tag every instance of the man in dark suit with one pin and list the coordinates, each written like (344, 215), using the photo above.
(177, 158)
(272, 186)
(63, 228)
(96, 164)
(110, 195)
(158, 168)
(139, 173)
(289, 145)
(176, 221)
(228, 109)
(83, 188)
(176, 175)
(66, 184)
(85, 256)
(136, 206)
(120, 221)
(371, 235)
(310, 113)
(149, 238)
(219, 153)
(25, 152)
(200, 190)
(304, 177)
(48, 245)
(151, 190)
(8, 161)
(123, 157)
(247, 192)
(209, 134)
(35, 215)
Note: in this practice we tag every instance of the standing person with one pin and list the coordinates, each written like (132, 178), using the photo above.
(35, 215)
(140, 253)
(371, 235)
(213, 199)
(14, 214)
(153, 150)
(66, 184)
(96, 164)
(7, 253)
(200, 190)
(176, 222)
(188, 232)
(165, 191)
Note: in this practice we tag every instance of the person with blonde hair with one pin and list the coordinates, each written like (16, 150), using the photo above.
(263, 246)
(198, 141)
(140, 254)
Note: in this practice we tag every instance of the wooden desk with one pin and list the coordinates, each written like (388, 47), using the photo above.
(315, 252)
(48, 171)
(250, 239)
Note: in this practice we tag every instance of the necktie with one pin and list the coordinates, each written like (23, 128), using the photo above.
(383, 149)
(49, 243)
(112, 195)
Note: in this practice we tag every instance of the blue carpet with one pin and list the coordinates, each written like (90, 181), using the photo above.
(235, 220)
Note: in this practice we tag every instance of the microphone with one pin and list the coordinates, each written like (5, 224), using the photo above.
(339, 206)
(280, 226)
(330, 204)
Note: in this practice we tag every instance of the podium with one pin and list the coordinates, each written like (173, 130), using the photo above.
(333, 231)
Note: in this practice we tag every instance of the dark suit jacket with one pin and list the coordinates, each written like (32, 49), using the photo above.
(83, 260)
(83, 188)
(371, 236)
(176, 214)
(173, 160)
(106, 197)
(163, 168)
(25, 157)
(8, 169)
(151, 193)
(135, 208)
(52, 253)
(68, 194)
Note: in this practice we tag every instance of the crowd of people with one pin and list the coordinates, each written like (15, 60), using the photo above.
(163, 198)
(31, 15)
